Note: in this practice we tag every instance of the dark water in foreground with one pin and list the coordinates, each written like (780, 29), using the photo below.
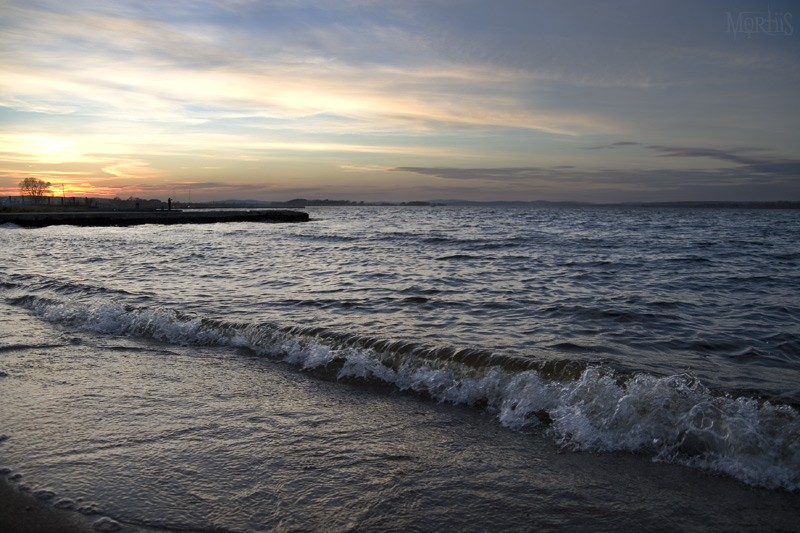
(254, 377)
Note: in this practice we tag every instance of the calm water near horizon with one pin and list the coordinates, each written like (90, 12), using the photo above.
(388, 368)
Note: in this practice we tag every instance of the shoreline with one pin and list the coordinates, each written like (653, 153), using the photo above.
(21, 512)
(133, 218)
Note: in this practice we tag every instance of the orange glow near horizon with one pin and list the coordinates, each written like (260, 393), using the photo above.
(81, 190)
(278, 100)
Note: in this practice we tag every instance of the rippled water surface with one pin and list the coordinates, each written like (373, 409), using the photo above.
(673, 333)
(714, 292)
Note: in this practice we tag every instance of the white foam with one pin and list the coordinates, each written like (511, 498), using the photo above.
(674, 419)
(113, 318)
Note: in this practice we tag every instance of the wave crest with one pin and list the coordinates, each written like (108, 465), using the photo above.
(584, 407)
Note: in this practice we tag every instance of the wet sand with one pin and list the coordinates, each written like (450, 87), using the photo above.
(21, 512)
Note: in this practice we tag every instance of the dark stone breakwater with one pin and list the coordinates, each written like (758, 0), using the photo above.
(133, 218)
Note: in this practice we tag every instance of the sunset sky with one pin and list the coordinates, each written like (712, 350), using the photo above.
(384, 100)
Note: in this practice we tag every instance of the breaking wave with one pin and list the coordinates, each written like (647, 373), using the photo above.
(584, 407)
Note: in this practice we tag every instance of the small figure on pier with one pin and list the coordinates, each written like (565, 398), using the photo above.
(169, 204)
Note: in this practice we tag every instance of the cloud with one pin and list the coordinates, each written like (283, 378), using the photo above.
(133, 169)
(528, 95)
(377, 67)
(789, 168)
(40, 149)
(742, 171)
(613, 145)
(747, 164)
(362, 168)
(733, 156)
(489, 174)
(218, 189)
(120, 64)
(599, 183)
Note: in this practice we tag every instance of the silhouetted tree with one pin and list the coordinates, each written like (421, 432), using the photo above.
(35, 188)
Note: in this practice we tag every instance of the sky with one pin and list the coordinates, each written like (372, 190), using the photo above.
(402, 100)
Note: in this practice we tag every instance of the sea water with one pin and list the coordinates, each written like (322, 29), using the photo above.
(423, 368)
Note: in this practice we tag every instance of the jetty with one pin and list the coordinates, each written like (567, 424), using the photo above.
(33, 219)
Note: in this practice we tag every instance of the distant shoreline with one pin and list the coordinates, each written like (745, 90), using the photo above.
(96, 205)
(255, 204)
(698, 204)
(195, 213)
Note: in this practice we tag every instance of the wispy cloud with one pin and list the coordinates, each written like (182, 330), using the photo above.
(133, 169)
(621, 144)
(363, 168)
(623, 96)
(732, 156)
(742, 173)
(489, 174)
(141, 69)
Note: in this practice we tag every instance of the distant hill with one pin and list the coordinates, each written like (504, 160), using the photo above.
(508, 203)
(543, 203)
(302, 202)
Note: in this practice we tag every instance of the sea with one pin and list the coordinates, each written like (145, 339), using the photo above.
(409, 368)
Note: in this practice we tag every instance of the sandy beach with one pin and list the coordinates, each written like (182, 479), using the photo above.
(21, 512)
